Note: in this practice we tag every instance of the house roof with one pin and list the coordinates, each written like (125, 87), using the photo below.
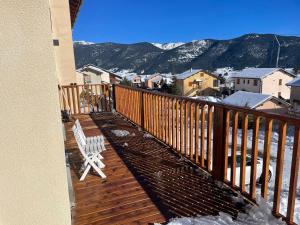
(74, 9)
(191, 72)
(246, 99)
(257, 73)
(294, 83)
(97, 69)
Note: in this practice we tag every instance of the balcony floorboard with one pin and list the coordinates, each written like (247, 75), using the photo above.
(146, 181)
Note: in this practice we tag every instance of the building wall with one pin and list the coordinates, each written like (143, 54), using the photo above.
(247, 85)
(61, 30)
(270, 84)
(207, 87)
(96, 78)
(295, 98)
(79, 78)
(33, 186)
(273, 106)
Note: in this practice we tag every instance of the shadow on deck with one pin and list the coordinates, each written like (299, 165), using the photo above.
(146, 181)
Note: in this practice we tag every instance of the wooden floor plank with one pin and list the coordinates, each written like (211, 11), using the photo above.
(146, 181)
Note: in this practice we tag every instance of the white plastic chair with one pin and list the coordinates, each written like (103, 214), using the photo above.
(92, 148)
(95, 140)
(91, 159)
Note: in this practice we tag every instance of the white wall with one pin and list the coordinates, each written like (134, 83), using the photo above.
(33, 186)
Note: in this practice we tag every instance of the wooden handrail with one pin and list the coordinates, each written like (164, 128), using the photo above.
(87, 98)
(200, 131)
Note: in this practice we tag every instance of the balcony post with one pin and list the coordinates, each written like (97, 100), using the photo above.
(142, 110)
(219, 143)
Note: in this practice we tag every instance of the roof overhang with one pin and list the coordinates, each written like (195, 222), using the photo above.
(74, 9)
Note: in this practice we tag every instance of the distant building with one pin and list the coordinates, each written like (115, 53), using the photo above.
(154, 81)
(96, 75)
(263, 102)
(135, 80)
(197, 82)
(271, 81)
(295, 94)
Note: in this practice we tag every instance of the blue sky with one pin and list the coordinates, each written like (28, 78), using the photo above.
(130, 21)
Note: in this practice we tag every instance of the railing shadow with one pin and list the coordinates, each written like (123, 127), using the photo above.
(174, 185)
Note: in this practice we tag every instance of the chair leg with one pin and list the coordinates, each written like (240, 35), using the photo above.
(85, 172)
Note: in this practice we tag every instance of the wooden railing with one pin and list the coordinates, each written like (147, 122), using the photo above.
(84, 99)
(209, 133)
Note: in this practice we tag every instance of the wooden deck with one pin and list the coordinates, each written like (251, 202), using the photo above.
(146, 181)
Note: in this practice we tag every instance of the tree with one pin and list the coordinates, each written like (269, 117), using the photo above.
(173, 89)
(126, 82)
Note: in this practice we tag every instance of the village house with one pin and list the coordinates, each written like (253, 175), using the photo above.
(197, 82)
(154, 81)
(295, 94)
(96, 75)
(263, 102)
(135, 80)
(270, 81)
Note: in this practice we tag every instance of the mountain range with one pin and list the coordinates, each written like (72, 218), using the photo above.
(250, 50)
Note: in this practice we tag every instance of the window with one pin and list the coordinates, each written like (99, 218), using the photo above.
(201, 74)
(248, 81)
(279, 94)
(238, 81)
(280, 81)
(215, 83)
(255, 82)
(244, 81)
(191, 83)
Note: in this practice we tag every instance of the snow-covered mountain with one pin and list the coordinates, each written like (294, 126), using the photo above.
(250, 50)
(83, 43)
(168, 46)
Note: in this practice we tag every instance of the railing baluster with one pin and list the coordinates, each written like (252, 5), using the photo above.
(186, 128)
(78, 99)
(197, 112)
(209, 130)
(73, 98)
(182, 150)
(173, 123)
(226, 137)
(266, 159)
(279, 167)
(202, 135)
(243, 152)
(233, 148)
(192, 131)
(177, 126)
(254, 154)
(294, 176)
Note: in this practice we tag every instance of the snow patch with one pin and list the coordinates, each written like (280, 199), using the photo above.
(120, 133)
(168, 46)
(261, 214)
(84, 42)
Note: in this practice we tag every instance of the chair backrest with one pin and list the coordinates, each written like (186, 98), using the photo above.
(80, 131)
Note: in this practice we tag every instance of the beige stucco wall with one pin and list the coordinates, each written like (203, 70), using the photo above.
(247, 87)
(273, 106)
(33, 186)
(270, 84)
(61, 30)
(206, 88)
